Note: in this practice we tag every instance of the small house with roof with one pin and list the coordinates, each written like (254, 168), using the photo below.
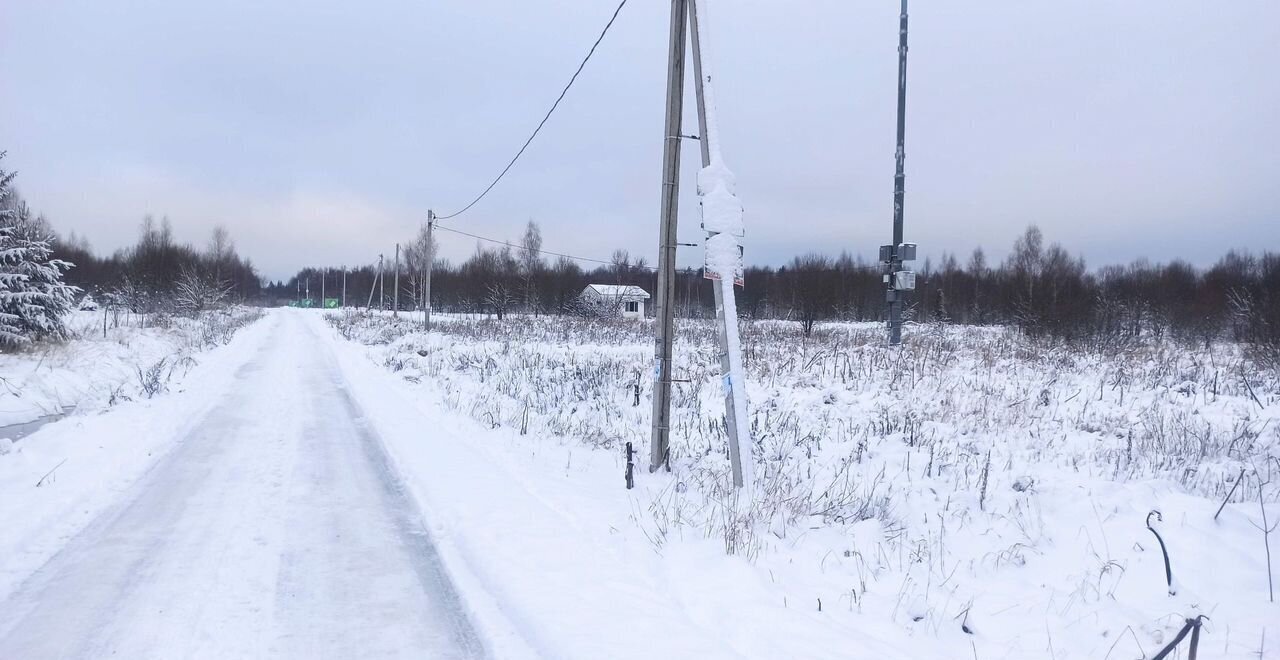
(623, 300)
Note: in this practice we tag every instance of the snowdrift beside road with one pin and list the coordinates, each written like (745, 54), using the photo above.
(57, 480)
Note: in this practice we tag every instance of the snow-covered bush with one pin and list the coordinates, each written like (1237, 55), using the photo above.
(217, 327)
(196, 291)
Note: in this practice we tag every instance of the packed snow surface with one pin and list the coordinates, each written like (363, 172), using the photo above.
(268, 524)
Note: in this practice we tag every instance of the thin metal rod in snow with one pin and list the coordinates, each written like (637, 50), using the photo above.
(1228, 497)
(1168, 570)
(722, 220)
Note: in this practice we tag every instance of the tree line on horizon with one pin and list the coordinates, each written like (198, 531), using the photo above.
(1039, 286)
(156, 274)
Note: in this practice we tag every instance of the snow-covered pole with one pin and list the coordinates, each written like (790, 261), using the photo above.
(722, 220)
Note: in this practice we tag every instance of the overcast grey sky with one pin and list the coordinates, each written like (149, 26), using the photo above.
(320, 132)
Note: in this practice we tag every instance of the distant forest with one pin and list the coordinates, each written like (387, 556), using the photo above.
(1039, 286)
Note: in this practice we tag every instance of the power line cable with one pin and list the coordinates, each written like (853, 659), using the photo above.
(544, 119)
(547, 252)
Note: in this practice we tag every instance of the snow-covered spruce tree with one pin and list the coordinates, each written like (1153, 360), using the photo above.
(33, 297)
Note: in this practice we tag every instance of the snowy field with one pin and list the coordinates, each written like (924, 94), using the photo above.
(974, 494)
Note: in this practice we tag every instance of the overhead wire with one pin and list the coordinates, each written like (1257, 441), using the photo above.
(544, 118)
(539, 251)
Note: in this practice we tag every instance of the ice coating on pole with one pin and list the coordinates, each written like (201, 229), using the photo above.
(722, 220)
(724, 257)
(721, 208)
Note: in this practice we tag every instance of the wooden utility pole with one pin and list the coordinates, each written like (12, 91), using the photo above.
(431, 258)
(395, 283)
(664, 309)
(382, 286)
(373, 286)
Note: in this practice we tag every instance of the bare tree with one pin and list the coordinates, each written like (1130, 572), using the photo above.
(531, 264)
(221, 250)
(500, 298)
(417, 254)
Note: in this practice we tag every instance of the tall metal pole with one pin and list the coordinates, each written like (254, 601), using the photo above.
(431, 258)
(660, 444)
(395, 283)
(893, 290)
(724, 313)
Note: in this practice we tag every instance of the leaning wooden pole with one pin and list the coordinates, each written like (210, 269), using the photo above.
(722, 220)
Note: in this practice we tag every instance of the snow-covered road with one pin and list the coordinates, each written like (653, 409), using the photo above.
(274, 528)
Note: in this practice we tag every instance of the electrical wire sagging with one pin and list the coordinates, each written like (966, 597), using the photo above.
(544, 118)
(517, 246)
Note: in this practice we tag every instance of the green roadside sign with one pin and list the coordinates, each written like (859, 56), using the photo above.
(328, 303)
